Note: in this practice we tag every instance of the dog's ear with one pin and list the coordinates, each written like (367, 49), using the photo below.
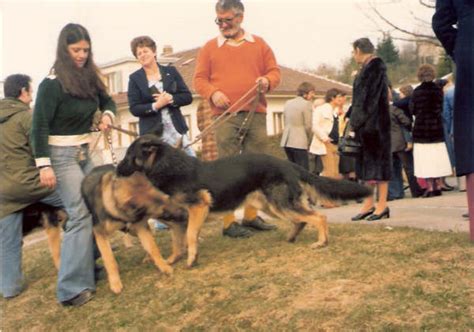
(145, 149)
(149, 149)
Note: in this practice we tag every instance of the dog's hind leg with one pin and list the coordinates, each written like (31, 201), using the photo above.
(197, 215)
(297, 228)
(149, 244)
(178, 237)
(320, 221)
(54, 242)
(110, 263)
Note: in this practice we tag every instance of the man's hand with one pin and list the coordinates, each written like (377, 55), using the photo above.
(47, 177)
(220, 100)
(264, 83)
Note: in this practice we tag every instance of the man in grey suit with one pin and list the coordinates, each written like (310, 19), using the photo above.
(297, 120)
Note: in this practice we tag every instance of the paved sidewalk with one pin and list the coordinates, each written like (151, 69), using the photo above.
(442, 213)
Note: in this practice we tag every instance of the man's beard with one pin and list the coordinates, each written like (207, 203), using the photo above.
(231, 34)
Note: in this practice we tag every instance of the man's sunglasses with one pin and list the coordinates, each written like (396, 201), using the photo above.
(228, 21)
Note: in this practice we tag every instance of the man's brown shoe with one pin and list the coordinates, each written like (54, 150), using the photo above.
(258, 224)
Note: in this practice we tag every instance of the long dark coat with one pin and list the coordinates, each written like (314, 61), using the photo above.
(427, 107)
(459, 44)
(370, 119)
(19, 178)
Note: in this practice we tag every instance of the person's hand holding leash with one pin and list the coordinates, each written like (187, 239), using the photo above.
(264, 83)
(220, 100)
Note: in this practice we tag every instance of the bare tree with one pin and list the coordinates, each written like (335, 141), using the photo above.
(427, 3)
(419, 31)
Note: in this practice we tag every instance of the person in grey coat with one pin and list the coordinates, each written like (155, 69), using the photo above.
(297, 120)
(457, 41)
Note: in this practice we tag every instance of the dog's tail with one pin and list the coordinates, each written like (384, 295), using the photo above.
(334, 189)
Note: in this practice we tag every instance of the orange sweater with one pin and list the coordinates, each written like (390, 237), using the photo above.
(234, 69)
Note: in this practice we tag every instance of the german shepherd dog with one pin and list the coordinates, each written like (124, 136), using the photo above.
(277, 187)
(51, 219)
(126, 203)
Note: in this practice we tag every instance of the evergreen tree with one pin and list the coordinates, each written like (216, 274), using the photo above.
(387, 51)
(445, 65)
(346, 74)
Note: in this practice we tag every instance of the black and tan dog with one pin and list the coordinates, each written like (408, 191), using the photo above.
(52, 219)
(126, 203)
(276, 186)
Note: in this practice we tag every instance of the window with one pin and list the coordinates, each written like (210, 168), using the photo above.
(113, 81)
(277, 123)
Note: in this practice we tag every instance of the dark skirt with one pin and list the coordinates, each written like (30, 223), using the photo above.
(346, 164)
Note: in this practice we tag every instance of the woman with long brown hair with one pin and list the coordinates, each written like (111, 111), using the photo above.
(65, 106)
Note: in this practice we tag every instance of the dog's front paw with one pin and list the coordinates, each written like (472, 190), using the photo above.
(319, 244)
(166, 269)
(173, 259)
(192, 262)
(116, 286)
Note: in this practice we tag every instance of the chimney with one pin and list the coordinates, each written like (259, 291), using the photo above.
(167, 50)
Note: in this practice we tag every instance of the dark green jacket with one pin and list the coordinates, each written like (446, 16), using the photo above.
(19, 178)
(59, 114)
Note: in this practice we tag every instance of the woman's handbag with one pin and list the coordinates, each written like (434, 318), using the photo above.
(348, 145)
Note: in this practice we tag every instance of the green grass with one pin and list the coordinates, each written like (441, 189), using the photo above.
(368, 278)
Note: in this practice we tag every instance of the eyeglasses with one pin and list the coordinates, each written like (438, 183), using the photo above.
(228, 21)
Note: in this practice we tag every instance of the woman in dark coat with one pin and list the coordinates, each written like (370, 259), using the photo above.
(429, 152)
(156, 93)
(459, 45)
(370, 120)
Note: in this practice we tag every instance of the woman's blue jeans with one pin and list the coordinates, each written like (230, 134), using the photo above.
(76, 271)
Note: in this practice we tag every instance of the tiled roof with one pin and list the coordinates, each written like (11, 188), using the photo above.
(290, 78)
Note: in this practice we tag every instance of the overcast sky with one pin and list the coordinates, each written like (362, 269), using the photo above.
(302, 33)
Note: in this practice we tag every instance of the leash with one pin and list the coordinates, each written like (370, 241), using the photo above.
(232, 111)
(128, 132)
(244, 128)
(111, 147)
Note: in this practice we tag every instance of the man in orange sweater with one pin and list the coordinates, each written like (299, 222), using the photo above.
(227, 67)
